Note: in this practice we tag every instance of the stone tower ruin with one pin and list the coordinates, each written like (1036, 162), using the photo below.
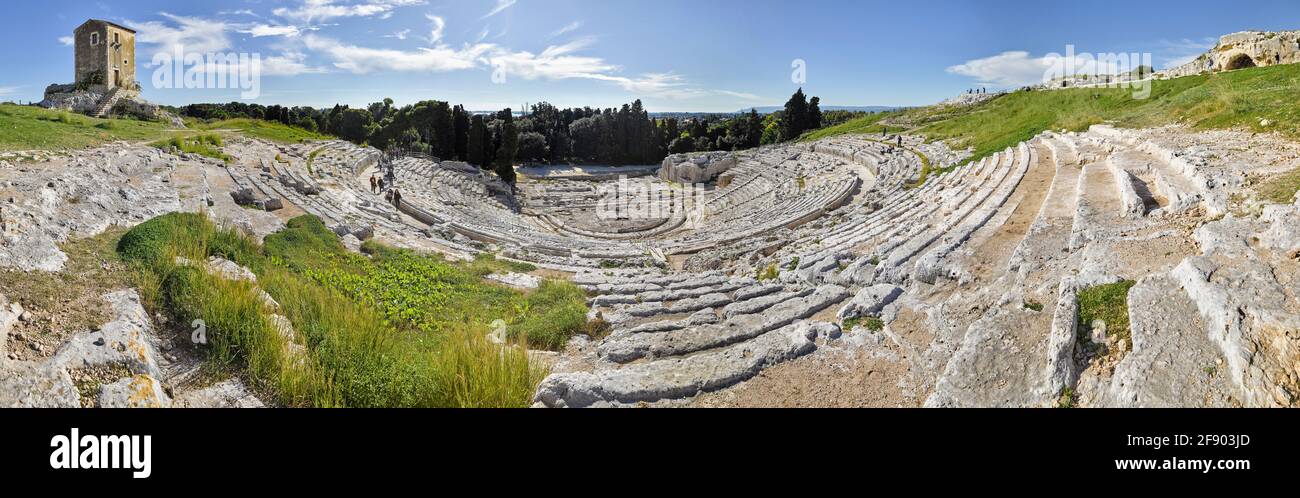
(105, 55)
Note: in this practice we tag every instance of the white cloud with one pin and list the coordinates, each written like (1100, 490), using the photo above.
(555, 62)
(1008, 69)
(400, 35)
(261, 30)
(322, 10)
(8, 90)
(195, 35)
(740, 95)
(240, 12)
(569, 28)
(288, 64)
(502, 5)
(362, 60)
(436, 29)
(66, 40)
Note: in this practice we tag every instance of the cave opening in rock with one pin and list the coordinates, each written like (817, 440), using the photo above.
(1240, 61)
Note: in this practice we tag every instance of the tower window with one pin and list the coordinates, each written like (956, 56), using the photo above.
(94, 38)
(116, 40)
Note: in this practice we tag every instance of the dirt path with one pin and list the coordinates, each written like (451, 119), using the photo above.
(994, 252)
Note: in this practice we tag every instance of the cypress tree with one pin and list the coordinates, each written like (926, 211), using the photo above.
(505, 158)
(475, 152)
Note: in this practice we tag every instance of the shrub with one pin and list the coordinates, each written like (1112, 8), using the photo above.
(551, 315)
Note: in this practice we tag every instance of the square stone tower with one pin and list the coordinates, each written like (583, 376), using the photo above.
(105, 55)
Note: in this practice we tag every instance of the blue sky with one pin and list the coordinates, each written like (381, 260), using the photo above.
(676, 55)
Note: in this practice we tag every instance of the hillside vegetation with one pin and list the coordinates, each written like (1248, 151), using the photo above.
(1238, 99)
(34, 128)
(265, 130)
(391, 329)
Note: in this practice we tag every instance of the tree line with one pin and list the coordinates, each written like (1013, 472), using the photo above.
(543, 134)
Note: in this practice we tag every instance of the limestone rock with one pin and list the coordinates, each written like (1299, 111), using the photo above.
(870, 301)
(140, 391)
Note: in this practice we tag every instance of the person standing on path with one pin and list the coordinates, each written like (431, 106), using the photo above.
(374, 184)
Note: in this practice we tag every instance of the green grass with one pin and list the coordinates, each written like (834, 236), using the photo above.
(1108, 303)
(869, 124)
(34, 128)
(207, 145)
(1281, 189)
(871, 323)
(393, 329)
(485, 264)
(771, 272)
(267, 130)
(311, 158)
(1238, 99)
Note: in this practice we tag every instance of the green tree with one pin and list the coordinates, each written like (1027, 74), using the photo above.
(354, 125)
(814, 114)
(476, 153)
(796, 116)
(532, 147)
(505, 157)
(461, 121)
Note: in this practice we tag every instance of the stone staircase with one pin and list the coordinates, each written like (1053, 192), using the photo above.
(106, 105)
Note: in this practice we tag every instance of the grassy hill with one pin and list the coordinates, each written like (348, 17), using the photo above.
(266, 130)
(34, 128)
(1239, 99)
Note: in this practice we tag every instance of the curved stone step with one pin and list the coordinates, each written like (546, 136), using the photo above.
(740, 328)
(680, 378)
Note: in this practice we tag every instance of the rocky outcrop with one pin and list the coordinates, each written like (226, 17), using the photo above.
(81, 195)
(696, 168)
(117, 366)
(870, 301)
(1242, 50)
(92, 99)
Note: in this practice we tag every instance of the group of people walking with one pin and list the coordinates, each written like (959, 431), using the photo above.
(377, 186)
